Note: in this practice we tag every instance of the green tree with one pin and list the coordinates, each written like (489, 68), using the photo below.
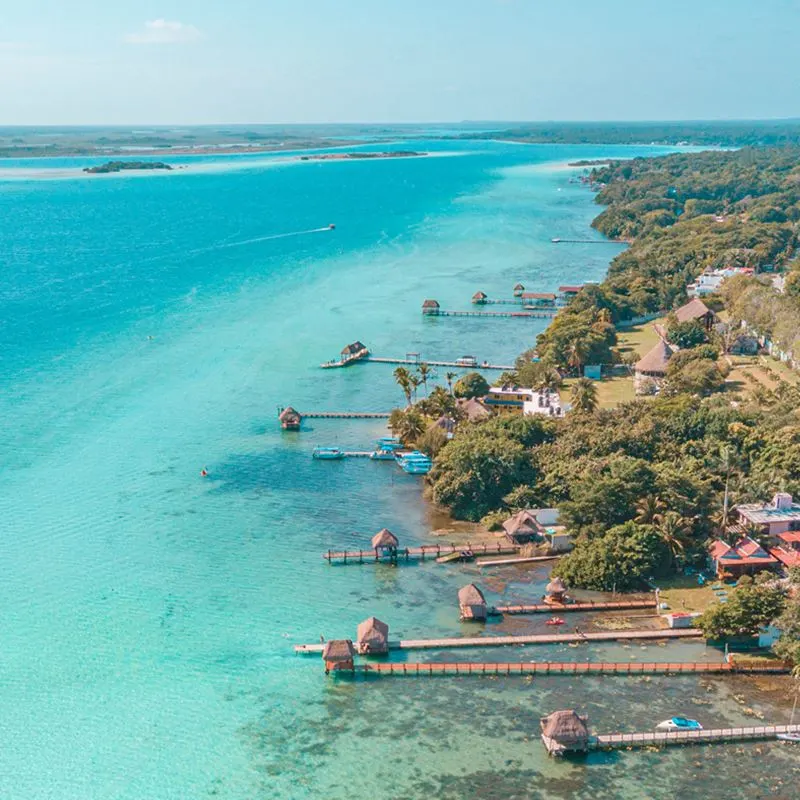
(622, 559)
(584, 396)
(424, 371)
(403, 379)
(649, 510)
(698, 377)
(750, 607)
(687, 334)
(673, 530)
(473, 384)
(449, 376)
(410, 427)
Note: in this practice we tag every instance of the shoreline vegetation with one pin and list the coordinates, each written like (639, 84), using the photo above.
(358, 156)
(646, 486)
(123, 166)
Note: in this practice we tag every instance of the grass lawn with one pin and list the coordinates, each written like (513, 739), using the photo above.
(683, 593)
(610, 391)
(781, 369)
(640, 339)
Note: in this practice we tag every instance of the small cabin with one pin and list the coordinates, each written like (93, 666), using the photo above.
(555, 591)
(472, 603)
(522, 528)
(372, 637)
(565, 732)
(431, 307)
(479, 298)
(290, 419)
(355, 350)
(518, 290)
(338, 655)
(384, 543)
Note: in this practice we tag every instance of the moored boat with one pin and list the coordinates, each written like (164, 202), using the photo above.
(327, 453)
(679, 724)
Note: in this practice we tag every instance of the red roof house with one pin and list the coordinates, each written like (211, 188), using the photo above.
(744, 558)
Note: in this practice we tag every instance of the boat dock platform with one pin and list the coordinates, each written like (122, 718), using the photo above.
(502, 562)
(545, 313)
(747, 733)
(455, 364)
(500, 641)
(417, 669)
(387, 556)
(344, 414)
(552, 608)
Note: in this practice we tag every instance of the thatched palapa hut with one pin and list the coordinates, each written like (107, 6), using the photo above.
(431, 307)
(338, 655)
(473, 409)
(372, 636)
(384, 543)
(355, 350)
(555, 591)
(522, 528)
(564, 732)
(472, 603)
(696, 310)
(654, 364)
(479, 298)
(290, 419)
(518, 290)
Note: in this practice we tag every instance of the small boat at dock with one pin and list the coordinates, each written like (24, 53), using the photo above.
(327, 453)
(414, 463)
(555, 621)
(788, 737)
(679, 724)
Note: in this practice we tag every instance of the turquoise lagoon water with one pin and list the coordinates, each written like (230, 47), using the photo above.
(148, 614)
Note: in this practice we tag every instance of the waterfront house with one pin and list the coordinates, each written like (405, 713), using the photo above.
(472, 603)
(779, 515)
(555, 591)
(431, 307)
(696, 311)
(539, 299)
(544, 401)
(518, 290)
(338, 655)
(290, 419)
(384, 543)
(508, 398)
(746, 557)
(653, 366)
(523, 527)
(479, 298)
(473, 409)
(565, 732)
(566, 293)
(372, 636)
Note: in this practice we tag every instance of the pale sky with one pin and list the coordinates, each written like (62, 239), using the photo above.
(281, 61)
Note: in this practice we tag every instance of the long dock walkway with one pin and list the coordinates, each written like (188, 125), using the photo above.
(602, 605)
(554, 638)
(344, 414)
(415, 669)
(619, 740)
(431, 363)
(407, 553)
(542, 314)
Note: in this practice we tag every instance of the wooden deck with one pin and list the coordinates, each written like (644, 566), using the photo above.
(416, 669)
(416, 362)
(545, 313)
(344, 414)
(407, 553)
(619, 740)
(507, 561)
(548, 608)
(539, 638)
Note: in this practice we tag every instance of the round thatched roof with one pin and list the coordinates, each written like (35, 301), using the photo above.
(384, 538)
(556, 586)
(565, 726)
(338, 650)
(471, 595)
(371, 630)
(656, 360)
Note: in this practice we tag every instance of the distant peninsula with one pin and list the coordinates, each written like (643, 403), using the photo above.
(590, 162)
(357, 155)
(120, 166)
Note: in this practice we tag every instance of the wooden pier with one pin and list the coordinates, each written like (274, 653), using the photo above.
(417, 669)
(502, 562)
(344, 414)
(455, 364)
(407, 553)
(554, 638)
(747, 733)
(552, 608)
(545, 313)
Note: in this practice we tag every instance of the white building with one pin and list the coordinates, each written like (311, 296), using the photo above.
(545, 402)
(711, 280)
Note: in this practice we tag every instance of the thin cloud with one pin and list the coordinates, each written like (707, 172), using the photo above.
(162, 31)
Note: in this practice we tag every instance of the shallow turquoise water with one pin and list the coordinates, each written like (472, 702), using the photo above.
(148, 614)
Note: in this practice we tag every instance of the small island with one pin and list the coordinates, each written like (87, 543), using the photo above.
(119, 166)
(590, 162)
(345, 156)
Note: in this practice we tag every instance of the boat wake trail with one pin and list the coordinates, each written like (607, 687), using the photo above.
(244, 242)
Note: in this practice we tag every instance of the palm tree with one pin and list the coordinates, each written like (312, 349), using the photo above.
(584, 396)
(577, 354)
(450, 377)
(411, 427)
(673, 529)
(424, 371)
(403, 378)
(649, 510)
(727, 463)
(415, 381)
